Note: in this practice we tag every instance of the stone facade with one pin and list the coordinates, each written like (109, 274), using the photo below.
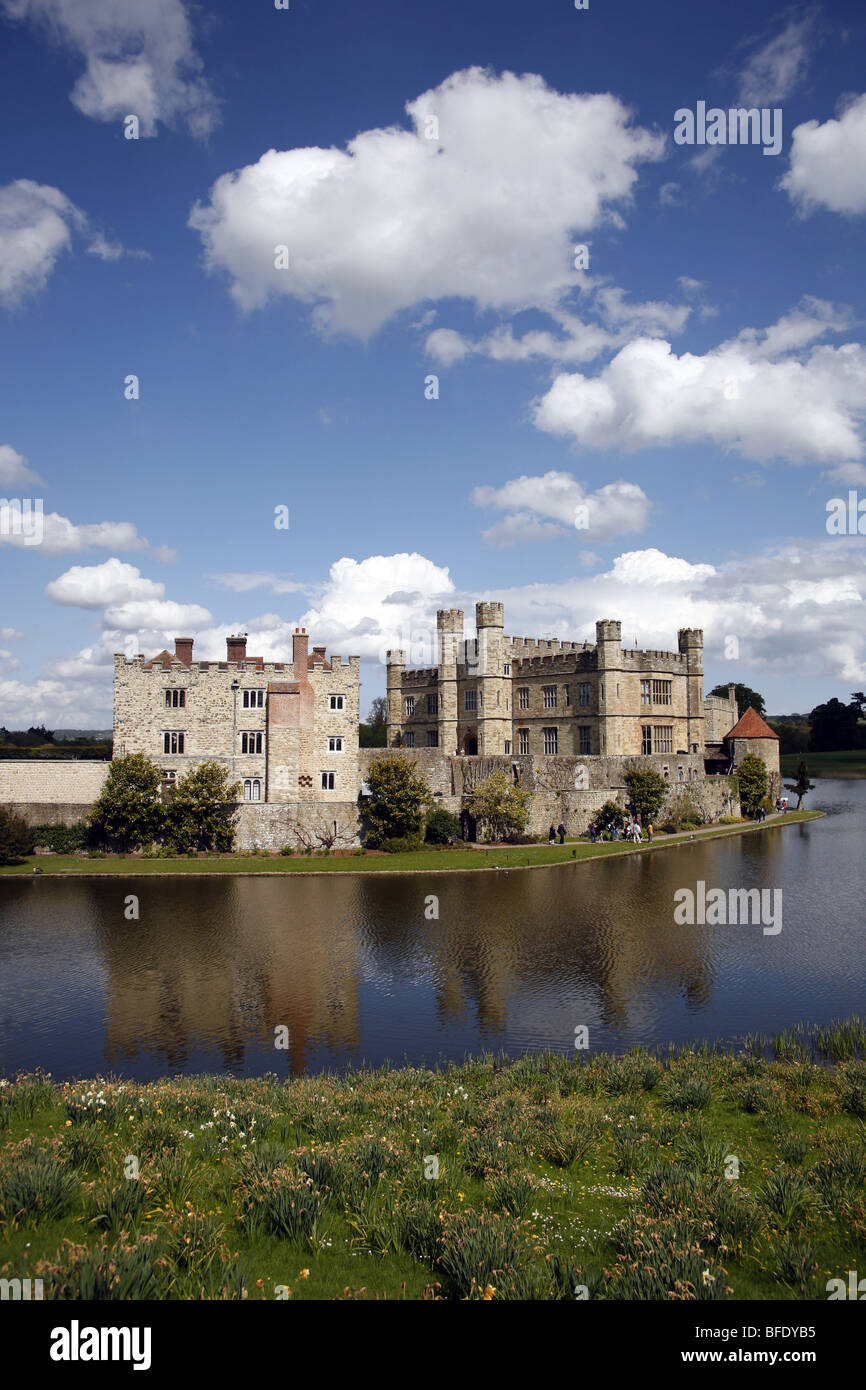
(286, 731)
(564, 789)
(494, 695)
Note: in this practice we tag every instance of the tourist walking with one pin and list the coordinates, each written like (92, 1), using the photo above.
(592, 832)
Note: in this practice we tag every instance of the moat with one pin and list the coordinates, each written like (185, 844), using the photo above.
(357, 973)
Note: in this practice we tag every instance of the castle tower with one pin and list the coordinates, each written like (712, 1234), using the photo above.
(690, 641)
(449, 635)
(395, 667)
(494, 715)
(608, 641)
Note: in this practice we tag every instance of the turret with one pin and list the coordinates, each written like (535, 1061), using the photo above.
(449, 633)
(395, 667)
(494, 713)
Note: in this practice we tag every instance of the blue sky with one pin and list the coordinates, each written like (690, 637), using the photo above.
(655, 436)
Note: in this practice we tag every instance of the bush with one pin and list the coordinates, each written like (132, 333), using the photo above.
(400, 844)
(647, 790)
(501, 806)
(16, 837)
(37, 1188)
(442, 827)
(683, 814)
(399, 799)
(62, 839)
(287, 851)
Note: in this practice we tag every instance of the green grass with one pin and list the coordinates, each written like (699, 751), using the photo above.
(851, 763)
(422, 861)
(699, 1173)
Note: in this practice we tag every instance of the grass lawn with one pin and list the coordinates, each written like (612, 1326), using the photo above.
(699, 1174)
(842, 764)
(421, 861)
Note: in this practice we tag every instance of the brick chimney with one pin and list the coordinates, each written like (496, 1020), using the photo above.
(236, 648)
(300, 645)
(183, 649)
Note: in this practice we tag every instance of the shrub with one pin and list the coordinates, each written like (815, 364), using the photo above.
(287, 851)
(399, 845)
(283, 1204)
(37, 1188)
(683, 814)
(647, 790)
(442, 827)
(477, 1246)
(199, 812)
(398, 801)
(62, 839)
(501, 806)
(687, 1093)
(16, 837)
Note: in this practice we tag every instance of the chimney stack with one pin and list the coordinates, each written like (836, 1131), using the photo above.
(732, 693)
(300, 645)
(183, 649)
(236, 648)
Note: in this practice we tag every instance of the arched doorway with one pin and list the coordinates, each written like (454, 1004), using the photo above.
(468, 826)
(470, 745)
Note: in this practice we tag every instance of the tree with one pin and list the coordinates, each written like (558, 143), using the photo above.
(858, 698)
(398, 801)
(129, 810)
(199, 810)
(442, 826)
(647, 790)
(610, 814)
(752, 778)
(16, 837)
(374, 733)
(745, 697)
(834, 726)
(501, 806)
(802, 784)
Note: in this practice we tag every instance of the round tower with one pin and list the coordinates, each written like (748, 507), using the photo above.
(494, 716)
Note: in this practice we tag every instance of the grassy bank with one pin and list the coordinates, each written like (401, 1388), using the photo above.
(421, 861)
(843, 764)
(697, 1175)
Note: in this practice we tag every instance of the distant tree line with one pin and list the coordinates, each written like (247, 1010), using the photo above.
(829, 728)
(41, 743)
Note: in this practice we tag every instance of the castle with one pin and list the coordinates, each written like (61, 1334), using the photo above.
(564, 719)
(496, 696)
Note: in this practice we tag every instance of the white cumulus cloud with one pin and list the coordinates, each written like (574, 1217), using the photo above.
(486, 211)
(552, 503)
(765, 395)
(828, 162)
(95, 586)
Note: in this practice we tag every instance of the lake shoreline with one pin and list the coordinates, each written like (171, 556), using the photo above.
(242, 868)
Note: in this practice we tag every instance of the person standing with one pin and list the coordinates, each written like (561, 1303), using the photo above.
(560, 830)
(649, 832)
(551, 836)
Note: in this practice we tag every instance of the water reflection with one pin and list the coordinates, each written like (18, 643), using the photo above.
(354, 970)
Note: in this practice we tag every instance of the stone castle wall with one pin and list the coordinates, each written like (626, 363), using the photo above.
(51, 792)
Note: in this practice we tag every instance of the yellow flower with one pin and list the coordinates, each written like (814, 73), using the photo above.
(304, 1274)
(489, 1291)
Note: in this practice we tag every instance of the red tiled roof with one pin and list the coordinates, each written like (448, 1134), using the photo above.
(164, 659)
(751, 725)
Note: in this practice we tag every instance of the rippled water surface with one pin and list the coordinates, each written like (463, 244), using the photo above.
(357, 973)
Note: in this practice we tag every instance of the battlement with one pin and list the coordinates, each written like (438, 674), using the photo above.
(421, 675)
(489, 615)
